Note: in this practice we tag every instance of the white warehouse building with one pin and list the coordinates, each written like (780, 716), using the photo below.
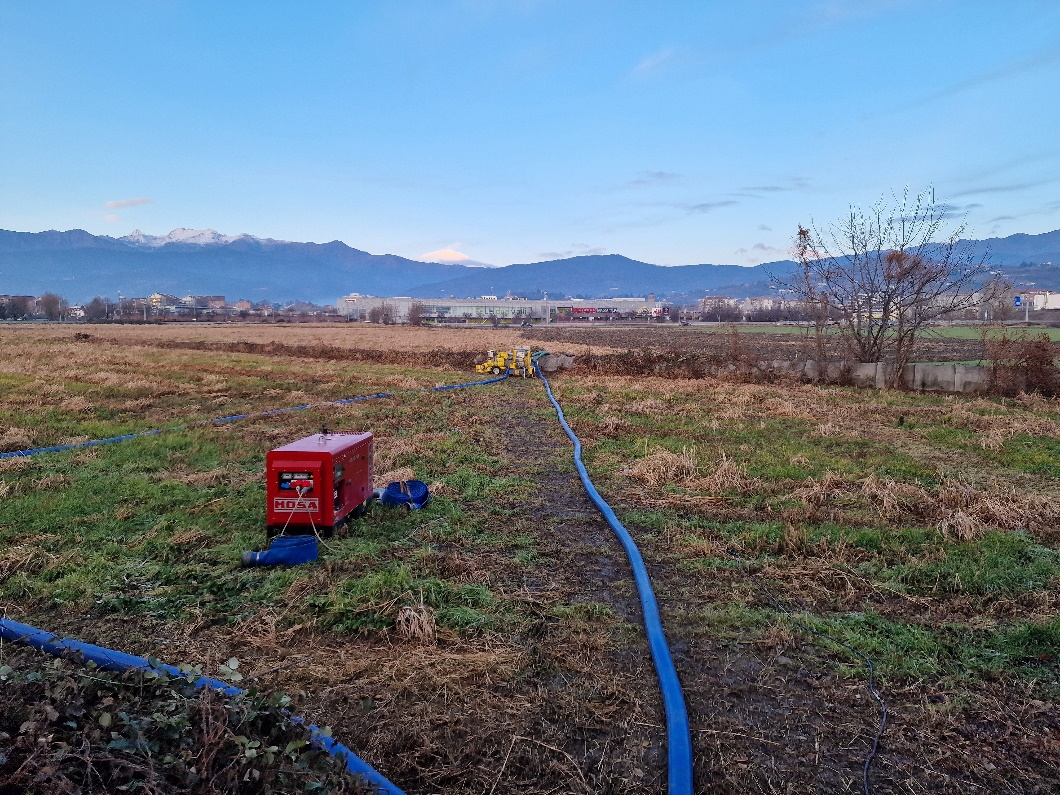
(358, 307)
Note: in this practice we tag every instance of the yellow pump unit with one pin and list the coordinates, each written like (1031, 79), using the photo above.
(517, 361)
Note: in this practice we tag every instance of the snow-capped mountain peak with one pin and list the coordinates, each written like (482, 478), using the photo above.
(191, 237)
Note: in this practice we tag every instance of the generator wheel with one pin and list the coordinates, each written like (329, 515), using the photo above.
(495, 370)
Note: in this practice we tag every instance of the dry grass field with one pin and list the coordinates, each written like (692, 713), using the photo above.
(304, 336)
(491, 643)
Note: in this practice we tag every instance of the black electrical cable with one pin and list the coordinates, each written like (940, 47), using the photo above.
(868, 662)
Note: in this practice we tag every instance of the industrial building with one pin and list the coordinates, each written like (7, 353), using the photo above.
(459, 310)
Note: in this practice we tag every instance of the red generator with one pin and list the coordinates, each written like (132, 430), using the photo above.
(317, 483)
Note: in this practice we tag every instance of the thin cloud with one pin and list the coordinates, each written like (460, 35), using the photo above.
(121, 203)
(785, 186)
(706, 207)
(1036, 60)
(1006, 165)
(648, 178)
(841, 10)
(111, 217)
(761, 252)
(950, 211)
(655, 62)
(764, 228)
(1009, 188)
(1002, 218)
(575, 250)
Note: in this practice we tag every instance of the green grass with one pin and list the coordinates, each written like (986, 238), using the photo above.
(881, 556)
(368, 601)
(953, 652)
(1000, 564)
(130, 532)
(943, 332)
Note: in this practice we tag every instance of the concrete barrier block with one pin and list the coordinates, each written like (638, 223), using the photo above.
(863, 374)
(972, 378)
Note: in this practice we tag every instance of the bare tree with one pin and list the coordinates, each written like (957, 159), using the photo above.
(885, 273)
(997, 304)
(99, 308)
(53, 306)
(415, 314)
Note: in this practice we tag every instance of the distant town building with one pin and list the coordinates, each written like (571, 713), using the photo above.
(358, 307)
(161, 300)
(716, 301)
(203, 301)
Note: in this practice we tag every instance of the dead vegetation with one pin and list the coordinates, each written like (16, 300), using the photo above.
(557, 694)
(662, 467)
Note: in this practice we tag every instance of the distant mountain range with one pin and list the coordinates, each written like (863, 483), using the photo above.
(80, 265)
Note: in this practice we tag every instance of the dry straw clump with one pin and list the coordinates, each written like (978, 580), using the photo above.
(417, 623)
(965, 512)
(727, 476)
(893, 499)
(650, 406)
(31, 558)
(388, 449)
(995, 429)
(958, 509)
(13, 438)
(392, 476)
(663, 467)
(50, 482)
(831, 489)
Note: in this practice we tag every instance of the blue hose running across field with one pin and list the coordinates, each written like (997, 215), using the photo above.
(679, 740)
(120, 661)
(58, 448)
(112, 660)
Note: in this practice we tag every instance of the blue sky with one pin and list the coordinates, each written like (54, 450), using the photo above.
(522, 130)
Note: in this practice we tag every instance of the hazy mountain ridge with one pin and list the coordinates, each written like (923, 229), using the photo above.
(205, 262)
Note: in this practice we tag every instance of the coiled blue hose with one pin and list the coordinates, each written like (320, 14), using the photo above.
(679, 738)
(113, 660)
(58, 448)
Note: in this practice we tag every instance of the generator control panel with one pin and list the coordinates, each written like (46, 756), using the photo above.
(316, 484)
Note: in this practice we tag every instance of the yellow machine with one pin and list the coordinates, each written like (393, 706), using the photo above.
(516, 362)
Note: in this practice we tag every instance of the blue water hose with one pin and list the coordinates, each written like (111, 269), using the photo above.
(58, 448)
(120, 661)
(112, 660)
(679, 747)
(679, 738)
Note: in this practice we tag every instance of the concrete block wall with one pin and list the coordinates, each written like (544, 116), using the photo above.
(964, 378)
